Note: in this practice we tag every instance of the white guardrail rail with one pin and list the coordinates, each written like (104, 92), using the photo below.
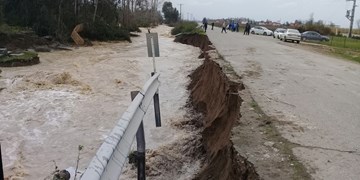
(111, 156)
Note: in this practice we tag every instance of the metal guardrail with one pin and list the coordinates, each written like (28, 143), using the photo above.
(111, 156)
(1, 166)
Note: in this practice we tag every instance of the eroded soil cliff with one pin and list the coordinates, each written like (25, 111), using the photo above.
(217, 99)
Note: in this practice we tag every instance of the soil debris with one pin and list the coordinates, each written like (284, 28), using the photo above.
(29, 40)
(22, 41)
(173, 161)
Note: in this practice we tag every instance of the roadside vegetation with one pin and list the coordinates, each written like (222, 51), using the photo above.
(343, 42)
(344, 47)
(26, 58)
(27, 55)
(347, 54)
(340, 46)
(172, 19)
(171, 14)
(103, 20)
(187, 27)
(6, 29)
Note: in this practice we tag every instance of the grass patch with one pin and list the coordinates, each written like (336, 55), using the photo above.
(6, 29)
(27, 55)
(187, 27)
(349, 54)
(343, 42)
(347, 48)
(254, 105)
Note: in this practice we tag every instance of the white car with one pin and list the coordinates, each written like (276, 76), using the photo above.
(291, 35)
(277, 32)
(261, 30)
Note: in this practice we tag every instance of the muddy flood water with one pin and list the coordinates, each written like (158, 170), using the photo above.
(76, 97)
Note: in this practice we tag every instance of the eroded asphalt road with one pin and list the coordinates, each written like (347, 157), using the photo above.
(315, 98)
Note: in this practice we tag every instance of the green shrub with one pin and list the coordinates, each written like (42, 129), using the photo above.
(101, 31)
(186, 27)
(27, 55)
(4, 28)
(133, 28)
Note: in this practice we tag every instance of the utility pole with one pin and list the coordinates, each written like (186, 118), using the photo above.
(351, 17)
(180, 11)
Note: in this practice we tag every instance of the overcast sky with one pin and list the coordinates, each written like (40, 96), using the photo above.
(275, 10)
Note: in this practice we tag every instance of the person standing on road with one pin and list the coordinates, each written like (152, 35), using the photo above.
(223, 27)
(212, 25)
(205, 23)
(247, 29)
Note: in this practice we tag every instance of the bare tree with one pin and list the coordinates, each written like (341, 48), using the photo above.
(76, 4)
(59, 16)
(96, 2)
(133, 5)
(311, 19)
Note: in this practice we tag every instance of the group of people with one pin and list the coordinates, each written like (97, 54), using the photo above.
(205, 24)
(232, 26)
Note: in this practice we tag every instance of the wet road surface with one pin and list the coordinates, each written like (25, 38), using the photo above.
(315, 98)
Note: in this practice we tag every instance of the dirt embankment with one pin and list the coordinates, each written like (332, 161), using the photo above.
(201, 41)
(21, 62)
(216, 97)
(21, 41)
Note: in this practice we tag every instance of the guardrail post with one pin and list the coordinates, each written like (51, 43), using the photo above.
(140, 140)
(157, 107)
(1, 166)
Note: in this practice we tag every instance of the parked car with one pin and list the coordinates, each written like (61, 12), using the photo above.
(291, 35)
(312, 35)
(277, 32)
(261, 30)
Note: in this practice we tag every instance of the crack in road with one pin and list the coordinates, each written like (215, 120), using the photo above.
(279, 101)
(327, 149)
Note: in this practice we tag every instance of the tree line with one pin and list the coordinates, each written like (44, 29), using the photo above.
(171, 14)
(103, 19)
